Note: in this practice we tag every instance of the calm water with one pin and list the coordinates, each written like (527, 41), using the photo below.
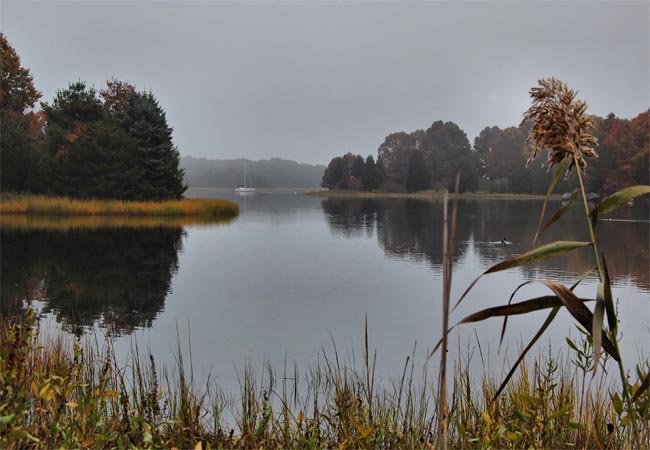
(293, 273)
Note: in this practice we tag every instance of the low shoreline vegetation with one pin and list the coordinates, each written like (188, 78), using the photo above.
(34, 205)
(62, 392)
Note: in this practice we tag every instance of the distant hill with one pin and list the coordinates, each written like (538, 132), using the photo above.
(229, 173)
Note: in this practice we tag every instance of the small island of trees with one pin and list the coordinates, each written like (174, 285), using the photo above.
(114, 144)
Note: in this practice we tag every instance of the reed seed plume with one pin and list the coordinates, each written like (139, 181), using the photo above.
(560, 125)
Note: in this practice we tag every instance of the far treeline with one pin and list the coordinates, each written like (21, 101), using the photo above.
(427, 159)
(115, 143)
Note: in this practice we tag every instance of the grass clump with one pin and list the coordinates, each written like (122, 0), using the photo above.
(62, 392)
(34, 205)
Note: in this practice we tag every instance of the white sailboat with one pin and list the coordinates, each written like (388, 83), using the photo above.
(244, 188)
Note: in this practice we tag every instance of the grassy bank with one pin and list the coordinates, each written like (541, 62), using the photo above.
(60, 206)
(427, 195)
(64, 393)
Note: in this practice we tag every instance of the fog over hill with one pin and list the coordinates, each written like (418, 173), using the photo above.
(229, 173)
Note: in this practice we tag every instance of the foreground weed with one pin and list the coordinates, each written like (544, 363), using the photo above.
(64, 392)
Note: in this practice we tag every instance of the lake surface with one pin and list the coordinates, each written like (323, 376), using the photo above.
(294, 273)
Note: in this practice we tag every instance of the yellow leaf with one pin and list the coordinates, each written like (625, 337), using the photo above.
(34, 387)
(111, 393)
(198, 446)
(46, 393)
(301, 417)
(71, 404)
(88, 442)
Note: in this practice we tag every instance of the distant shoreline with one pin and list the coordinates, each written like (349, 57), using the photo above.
(430, 195)
(364, 194)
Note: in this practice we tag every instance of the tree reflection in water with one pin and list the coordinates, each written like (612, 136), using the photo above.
(118, 277)
(412, 228)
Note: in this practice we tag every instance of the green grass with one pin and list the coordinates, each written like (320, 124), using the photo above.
(32, 205)
(58, 392)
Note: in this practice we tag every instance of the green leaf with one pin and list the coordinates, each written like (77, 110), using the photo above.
(618, 404)
(572, 344)
(560, 212)
(561, 413)
(7, 419)
(621, 198)
(561, 168)
(536, 255)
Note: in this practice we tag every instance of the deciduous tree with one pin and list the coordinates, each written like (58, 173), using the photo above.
(19, 155)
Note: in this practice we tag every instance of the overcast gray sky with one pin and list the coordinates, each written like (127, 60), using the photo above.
(311, 80)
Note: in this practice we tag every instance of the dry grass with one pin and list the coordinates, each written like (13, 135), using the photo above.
(61, 206)
(59, 392)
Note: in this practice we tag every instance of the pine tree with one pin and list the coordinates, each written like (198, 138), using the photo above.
(144, 119)
(101, 163)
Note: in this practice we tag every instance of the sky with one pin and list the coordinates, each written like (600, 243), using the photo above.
(312, 80)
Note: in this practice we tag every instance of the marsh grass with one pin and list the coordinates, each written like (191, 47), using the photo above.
(63, 392)
(31, 205)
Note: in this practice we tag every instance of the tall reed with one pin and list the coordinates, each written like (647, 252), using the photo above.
(561, 128)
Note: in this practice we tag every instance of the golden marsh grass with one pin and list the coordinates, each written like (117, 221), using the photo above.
(61, 206)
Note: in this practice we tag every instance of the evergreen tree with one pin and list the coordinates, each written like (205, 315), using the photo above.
(358, 167)
(371, 177)
(381, 171)
(68, 117)
(145, 121)
(418, 178)
(101, 163)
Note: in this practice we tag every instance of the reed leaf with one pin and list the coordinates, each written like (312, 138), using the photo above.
(597, 324)
(620, 198)
(560, 212)
(532, 342)
(505, 319)
(642, 388)
(514, 309)
(612, 321)
(538, 254)
(581, 313)
(561, 168)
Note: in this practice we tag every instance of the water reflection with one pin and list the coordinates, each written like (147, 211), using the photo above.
(118, 277)
(412, 229)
